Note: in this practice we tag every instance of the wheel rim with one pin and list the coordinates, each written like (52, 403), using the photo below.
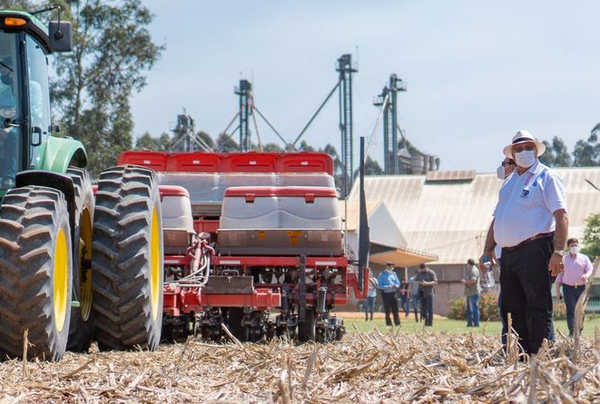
(155, 271)
(85, 258)
(61, 280)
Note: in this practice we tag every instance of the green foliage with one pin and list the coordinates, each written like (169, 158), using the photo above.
(587, 153)
(225, 144)
(488, 308)
(305, 147)
(557, 154)
(148, 142)
(94, 83)
(17, 5)
(458, 309)
(591, 236)
(372, 167)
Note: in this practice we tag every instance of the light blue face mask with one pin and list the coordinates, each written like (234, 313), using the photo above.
(526, 158)
(573, 249)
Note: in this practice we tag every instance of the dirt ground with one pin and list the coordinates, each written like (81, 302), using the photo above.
(364, 368)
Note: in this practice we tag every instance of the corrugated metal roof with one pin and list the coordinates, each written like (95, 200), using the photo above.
(451, 219)
(384, 233)
(353, 216)
(464, 175)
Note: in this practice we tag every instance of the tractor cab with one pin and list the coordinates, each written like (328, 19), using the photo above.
(25, 122)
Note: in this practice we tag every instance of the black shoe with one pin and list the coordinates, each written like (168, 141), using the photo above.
(469, 325)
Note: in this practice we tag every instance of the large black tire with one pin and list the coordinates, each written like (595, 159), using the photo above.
(82, 327)
(35, 273)
(127, 263)
(307, 328)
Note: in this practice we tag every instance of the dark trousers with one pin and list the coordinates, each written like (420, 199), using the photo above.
(525, 291)
(390, 304)
(427, 309)
(572, 294)
(415, 302)
(369, 307)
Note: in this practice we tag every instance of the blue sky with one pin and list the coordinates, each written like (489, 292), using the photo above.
(476, 71)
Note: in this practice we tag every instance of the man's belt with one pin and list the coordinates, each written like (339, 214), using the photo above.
(529, 240)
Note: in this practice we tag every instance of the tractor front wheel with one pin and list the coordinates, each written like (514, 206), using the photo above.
(35, 273)
(81, 332)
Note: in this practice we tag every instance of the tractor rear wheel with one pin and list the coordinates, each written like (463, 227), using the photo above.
(81, 331)
(127, 267)
(35, 273)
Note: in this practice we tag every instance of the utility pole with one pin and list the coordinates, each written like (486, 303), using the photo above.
(345, 68)
(388, 100)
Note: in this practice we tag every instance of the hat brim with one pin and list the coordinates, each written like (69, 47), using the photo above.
(541, 148)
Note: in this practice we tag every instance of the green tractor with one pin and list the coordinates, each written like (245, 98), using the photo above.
(73, 267)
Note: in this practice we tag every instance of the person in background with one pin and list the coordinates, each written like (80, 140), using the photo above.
(414, 295)
(578, 269)
(531, 224)
(389, 284)
(404, 296)
(371, 296)
(427, 280)
(472, 290)
(506, 168)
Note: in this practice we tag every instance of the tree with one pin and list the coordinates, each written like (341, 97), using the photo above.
(17, 5)
(94, 83)
(305, 147)
(273, 147)
(556, 154)
(225, 144)
(587, 153)
(148, 142)
(372, 167)
(591, 236)
(206, 139)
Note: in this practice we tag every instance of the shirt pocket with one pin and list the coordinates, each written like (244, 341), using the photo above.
(532, 197)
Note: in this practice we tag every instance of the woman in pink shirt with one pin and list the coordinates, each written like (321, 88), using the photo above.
(577, 270)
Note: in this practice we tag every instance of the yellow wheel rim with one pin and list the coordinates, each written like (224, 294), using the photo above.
(61, 280)
(155, 270)
(85, 273)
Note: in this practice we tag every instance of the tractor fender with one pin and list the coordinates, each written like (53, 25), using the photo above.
(60, 153)
(53, 180)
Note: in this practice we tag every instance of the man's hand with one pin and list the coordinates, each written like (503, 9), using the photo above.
(556, 264)
(559, 296)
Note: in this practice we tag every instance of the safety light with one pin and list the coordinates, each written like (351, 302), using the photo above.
(14, 22)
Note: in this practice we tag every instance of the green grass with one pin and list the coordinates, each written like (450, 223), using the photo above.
(445, 325)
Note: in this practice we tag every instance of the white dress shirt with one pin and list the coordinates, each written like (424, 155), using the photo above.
(527, 203)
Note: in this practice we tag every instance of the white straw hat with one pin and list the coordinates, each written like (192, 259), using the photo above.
(523, 136)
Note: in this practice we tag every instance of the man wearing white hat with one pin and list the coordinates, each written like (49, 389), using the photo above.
(531, 225)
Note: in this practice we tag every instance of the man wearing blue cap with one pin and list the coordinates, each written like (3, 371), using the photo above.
(388, 284)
